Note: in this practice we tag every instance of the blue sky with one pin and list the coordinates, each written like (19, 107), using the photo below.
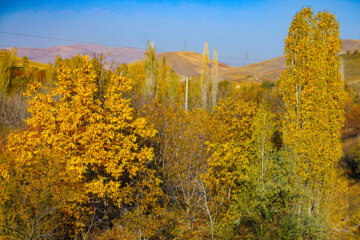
(257, 27)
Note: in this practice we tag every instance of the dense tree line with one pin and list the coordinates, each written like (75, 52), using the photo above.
(137, 152)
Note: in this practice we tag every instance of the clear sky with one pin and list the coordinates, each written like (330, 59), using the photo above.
(235, 28)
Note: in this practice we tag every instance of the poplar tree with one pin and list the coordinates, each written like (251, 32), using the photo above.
(7, 62)
(313, 97)
(25, 63)
(174, 87)
(214, 80)
(151, 70)
(205, 77)
(163, 84)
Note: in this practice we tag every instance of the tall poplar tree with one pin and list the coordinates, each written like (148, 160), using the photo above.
(214, 79)
(163, 84)
(151, 70)
(313, 97)
(205, 77)
(7, 62)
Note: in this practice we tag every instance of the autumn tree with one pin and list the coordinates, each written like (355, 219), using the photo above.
(228, 165)
(313, 99)
(136, 73)
(195, 99)
(163, 83)
(25, 64)
(182, 155)
(262, 139)
(214, 80)
(151, 70)
(174, 81)
(85, 131)
(205, 84)
(7, 62)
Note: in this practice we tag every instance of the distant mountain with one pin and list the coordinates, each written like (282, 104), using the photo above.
(351, 45)
(47, 55)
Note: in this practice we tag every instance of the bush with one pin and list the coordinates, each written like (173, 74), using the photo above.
(268, 84)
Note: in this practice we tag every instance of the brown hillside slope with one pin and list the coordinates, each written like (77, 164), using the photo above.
(350, 44)
(265, 70)
(187, 63)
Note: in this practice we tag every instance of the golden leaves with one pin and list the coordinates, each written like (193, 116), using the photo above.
(90, 132)
(313, 97)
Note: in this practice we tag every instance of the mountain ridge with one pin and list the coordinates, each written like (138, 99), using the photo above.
(183, 63)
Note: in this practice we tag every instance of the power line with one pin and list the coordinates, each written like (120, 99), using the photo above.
(246, 59)
(107, 44)
(45, 37)
(239, 58)
(57, 38)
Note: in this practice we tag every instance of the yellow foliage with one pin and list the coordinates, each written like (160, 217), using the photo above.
(313, 98)
(230, 144)
(89, 132)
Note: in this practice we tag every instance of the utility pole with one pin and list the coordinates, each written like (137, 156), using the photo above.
(246, 58)
(342, 68)
(185, 45)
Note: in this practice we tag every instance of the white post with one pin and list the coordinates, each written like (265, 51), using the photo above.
(342, 68)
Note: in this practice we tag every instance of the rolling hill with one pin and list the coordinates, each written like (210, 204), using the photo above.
(266, 70)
